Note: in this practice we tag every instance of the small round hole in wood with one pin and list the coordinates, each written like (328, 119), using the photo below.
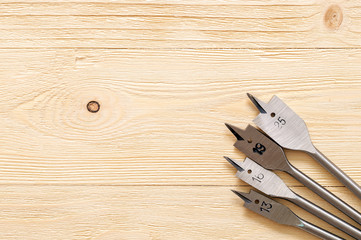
(93, 106)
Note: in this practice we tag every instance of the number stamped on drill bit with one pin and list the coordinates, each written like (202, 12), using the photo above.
(262, 179)
(265, 206)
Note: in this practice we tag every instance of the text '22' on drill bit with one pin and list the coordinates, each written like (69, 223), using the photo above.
(271, 156)
(290, 131)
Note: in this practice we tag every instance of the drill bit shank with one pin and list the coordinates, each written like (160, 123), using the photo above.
(279, 213)
(290, 131)
(269, 183)
(271, 156)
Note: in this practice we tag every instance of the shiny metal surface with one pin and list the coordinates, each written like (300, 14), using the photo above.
(274, 158)
(283, 125)
(290, 131)
(260, 148)
(279, 213)
(337, 172)
(262, 179)
(327, 217)
(269, 183)
(269, 208)
(327, 195)
(318, 232)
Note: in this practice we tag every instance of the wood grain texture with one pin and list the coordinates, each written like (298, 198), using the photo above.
(167, 75)
(162, 112)
(180, 24)
(137, 212)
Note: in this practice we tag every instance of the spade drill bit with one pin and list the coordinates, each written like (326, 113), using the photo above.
(279, 213)
(290, 131)
(269, 183)
(271, 156)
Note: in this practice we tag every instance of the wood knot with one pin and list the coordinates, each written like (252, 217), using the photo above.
(93, 106)
(333, 17)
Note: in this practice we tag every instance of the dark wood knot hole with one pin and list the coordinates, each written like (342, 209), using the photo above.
(93, 106)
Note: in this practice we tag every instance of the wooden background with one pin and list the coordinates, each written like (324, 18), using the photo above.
(167, 75)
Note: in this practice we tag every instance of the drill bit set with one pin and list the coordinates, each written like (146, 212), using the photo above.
(285, 129)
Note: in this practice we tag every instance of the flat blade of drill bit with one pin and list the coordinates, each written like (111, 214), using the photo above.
(283, 125)
(279, 213)
(269, 208)
(262, 179)
(274, 158)
(290, 131)
(270, 184)
(261, 149)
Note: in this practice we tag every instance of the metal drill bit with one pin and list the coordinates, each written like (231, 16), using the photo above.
(279, 213)
(269, 183)
(271, 156)
(290, 131)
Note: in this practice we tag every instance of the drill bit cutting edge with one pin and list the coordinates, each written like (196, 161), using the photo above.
(271, 156)
(286, 128)
(279, 213)
(283, 128)
(269, 183)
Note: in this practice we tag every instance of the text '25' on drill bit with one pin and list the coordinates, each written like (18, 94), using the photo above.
(284, 126)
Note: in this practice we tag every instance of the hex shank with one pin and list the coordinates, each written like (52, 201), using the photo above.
(326, 216)
(337, 172)
(318, 232)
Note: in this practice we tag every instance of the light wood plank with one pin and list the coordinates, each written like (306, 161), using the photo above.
(104, 212)
(149, 164)
(180, 24)
(162, 112)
